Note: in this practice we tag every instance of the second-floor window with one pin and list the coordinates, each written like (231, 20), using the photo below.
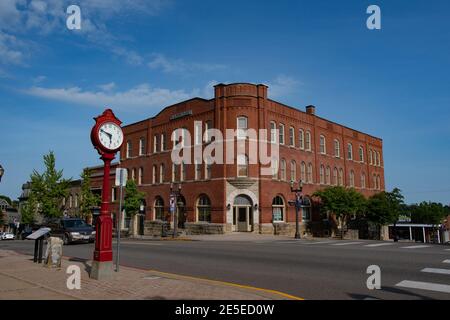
(292, 137)
(198, 133)
(163, 142)
(242, 162)
(361, 154)
(350, 151)
(337, 149)
(155, 143)
(128, 149)
(140, 176)
(301, 135)
(141, 146)
(308, 141)
(323, 147)
(273, 132)
(281, 133)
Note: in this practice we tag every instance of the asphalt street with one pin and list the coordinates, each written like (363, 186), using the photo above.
(322, 269)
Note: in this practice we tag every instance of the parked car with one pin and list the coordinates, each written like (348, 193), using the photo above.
(72, 230)
(8, 236)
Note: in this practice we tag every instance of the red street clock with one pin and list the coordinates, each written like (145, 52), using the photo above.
(107, 138)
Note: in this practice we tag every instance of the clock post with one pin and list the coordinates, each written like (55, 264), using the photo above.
(107, 138)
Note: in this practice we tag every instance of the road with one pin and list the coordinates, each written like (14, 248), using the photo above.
(320, 269)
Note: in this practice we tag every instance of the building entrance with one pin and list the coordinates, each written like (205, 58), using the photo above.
(242, 214)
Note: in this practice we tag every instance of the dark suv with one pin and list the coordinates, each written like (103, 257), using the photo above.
(72, 230)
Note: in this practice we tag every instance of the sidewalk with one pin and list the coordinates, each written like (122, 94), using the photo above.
(22, 279)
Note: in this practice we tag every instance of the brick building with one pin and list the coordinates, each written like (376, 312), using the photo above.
(221, 198)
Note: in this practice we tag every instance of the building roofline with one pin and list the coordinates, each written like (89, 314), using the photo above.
(165, 108)
(237, 83)
(344, 126)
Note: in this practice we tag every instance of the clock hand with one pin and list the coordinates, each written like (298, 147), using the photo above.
(108, 134)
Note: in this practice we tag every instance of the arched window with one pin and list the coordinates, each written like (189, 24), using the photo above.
(278, 209)
(363, 181)
(361, 154)
(350, 151)
(328, 176)
(374, 181)
(159, 208)
(352, 179)
(141, 175)
(337, 149)
(161, 173)
(133, 174)
(379, 182)
(155, 143)
(301, 135)
(375, 160)
(163, 142)
(341, 177)
(323, 145)
(335, 176)
(303, 171)
(204, 209)
(322, 174)
(293, 171)
(310, 173)
(306, 209)
(283, 169)
(242, 165)
(273, 132)
(379, 159)
(370, 156)
(308, 141)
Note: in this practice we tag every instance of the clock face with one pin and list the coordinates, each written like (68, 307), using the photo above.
(110, 136)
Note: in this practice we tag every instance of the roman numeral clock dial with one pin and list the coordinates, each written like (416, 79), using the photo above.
(110, 136)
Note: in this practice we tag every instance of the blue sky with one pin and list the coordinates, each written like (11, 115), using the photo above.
(140, 56)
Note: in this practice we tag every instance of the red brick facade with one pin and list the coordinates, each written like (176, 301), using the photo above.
(223, 186)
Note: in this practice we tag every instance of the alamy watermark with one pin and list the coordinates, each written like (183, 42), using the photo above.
(374, 20)
(73, 21)
(374, 280)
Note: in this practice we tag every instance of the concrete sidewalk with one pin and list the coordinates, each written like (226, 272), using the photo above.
(22, 279)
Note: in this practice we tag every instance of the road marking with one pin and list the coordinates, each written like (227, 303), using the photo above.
(435, 270)
(415, 247)
(346, 243)
(139, 243)
(424, 286)
(231, 284)
(378, 245)
(446, 261)
(321, 242)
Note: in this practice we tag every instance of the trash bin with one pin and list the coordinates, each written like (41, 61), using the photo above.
(53, 254)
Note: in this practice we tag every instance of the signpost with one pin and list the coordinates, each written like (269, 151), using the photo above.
(107, 138)
(38, 237)
(121, 181)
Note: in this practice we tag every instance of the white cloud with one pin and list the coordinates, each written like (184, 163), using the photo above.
(108, 86)
(161, 62)
(283, 86)
(12, 50)
(137, 98)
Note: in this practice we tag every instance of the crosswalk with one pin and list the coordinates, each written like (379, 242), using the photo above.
(428, 286)
(341, 243)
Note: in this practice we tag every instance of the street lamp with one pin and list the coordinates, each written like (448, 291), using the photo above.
(298, 202)
(176, 194)
(2, 171)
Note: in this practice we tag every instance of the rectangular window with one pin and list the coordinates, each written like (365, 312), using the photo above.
(308, 141)
(208, 126)
(242, 127)
(350, 152)
(273, 132)
(198, 171)
(155, 144)
(302, 140)
(128, 149)
(140, 176)
(163, 142)
(281, 128)
(208, 168)
(323, 149)
(141, 146)
(292, 137)
(198, 133)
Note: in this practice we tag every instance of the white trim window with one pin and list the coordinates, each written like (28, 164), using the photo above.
(349, 151)
(370, 157)
(361, 154)
(278, 209)
(275, 169)
(310, 173)
(328, 176)
(208, 126)
(352, 179)
(293, 170)
(281, 133)
(308, 141)
(242, 165)
(273, 132)
(161, 173)
(291, 136)
(337, 148)
(129, 147)
(155, 143)
(335, 176)
(283, 169)
(303, 171)
(341, 177)
(363, 181)
(154, 174)
(242, 126)
(198, 133)
(142, 146)
(322, 174)
(182, 171)
(301, 135)
(133, 174)
(323, 144)
(198, 171)
(163, 142)
(208, 170)
(379, 160)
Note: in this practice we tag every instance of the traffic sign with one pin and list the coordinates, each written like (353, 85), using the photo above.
(121, 177)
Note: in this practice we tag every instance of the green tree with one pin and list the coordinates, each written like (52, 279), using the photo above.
(133, 198)
(428, 213)
(88, 198)
(49, 188)
(8, 199)
(385, 207)
(28, 211)
(342, 203)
